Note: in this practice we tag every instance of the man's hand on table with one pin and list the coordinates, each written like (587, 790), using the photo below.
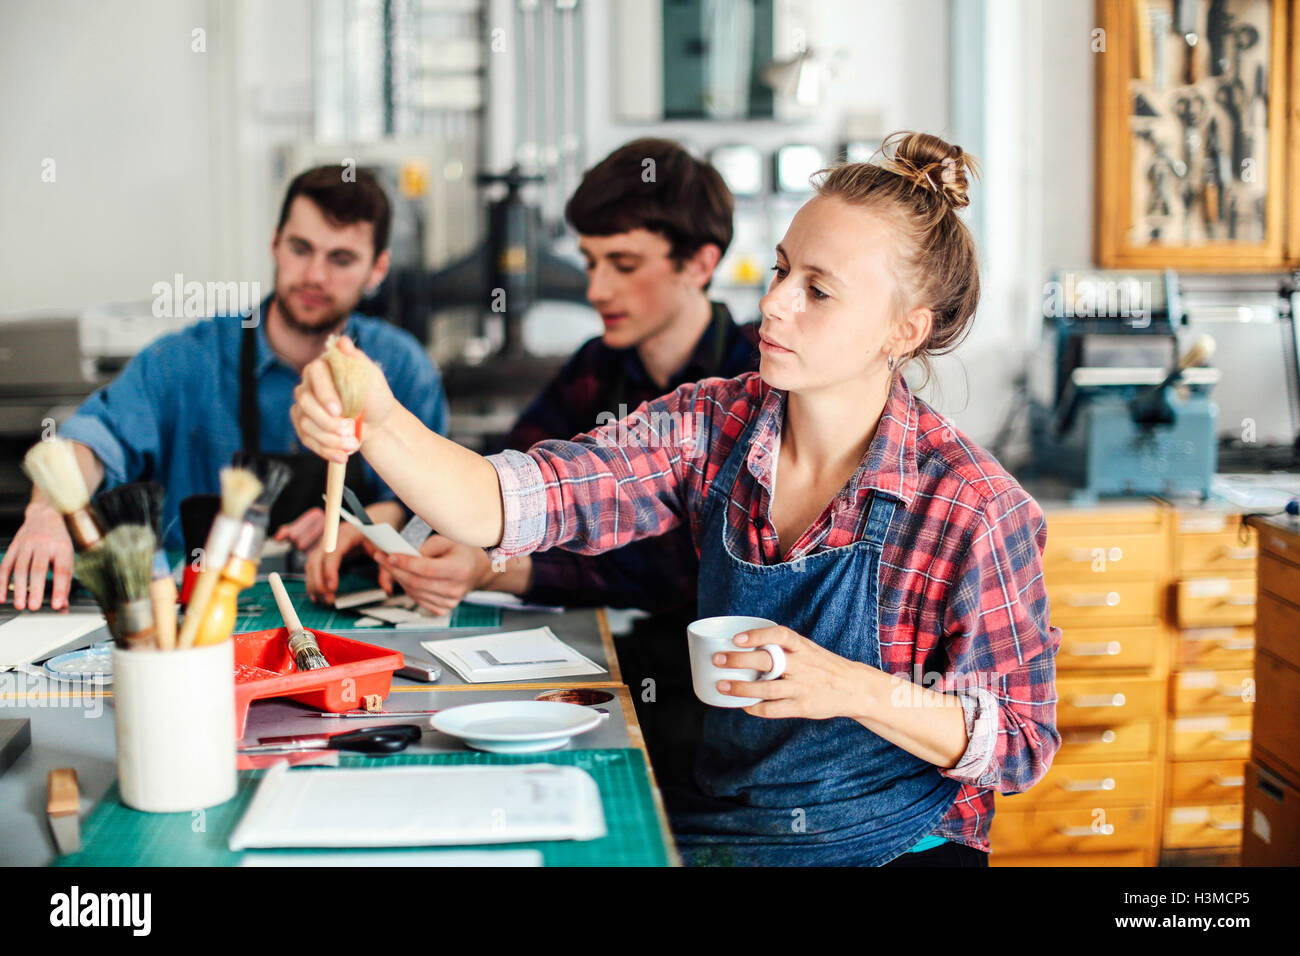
(304, 531)
(323, 569)
(40, 543)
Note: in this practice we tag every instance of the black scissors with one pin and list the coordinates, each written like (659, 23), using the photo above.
(369, 740)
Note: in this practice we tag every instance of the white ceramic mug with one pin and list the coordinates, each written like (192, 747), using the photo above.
(712, 635)
(175, 716)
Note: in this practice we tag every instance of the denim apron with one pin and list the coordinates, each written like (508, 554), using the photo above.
(796, 791)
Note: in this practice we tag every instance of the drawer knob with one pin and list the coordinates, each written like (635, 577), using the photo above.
(1106, 829)
(1099, 700)
(1232, 782)
(1095, 649)
(1079, 786)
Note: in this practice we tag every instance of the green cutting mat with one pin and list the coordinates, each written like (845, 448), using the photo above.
(316, 617)
(115, 835)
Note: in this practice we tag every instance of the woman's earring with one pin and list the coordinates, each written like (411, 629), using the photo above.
(892, 363)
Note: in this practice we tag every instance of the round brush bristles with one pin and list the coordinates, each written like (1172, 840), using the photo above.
(271, 472)
(52, 467)
(130, 548)
(239, 489)
(351, 374)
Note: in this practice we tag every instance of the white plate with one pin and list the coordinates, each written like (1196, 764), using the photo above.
(516, 726)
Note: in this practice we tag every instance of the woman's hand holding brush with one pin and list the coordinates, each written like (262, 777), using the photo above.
(456, 490)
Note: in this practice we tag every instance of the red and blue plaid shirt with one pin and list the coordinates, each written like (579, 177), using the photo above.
(963, 605)
(654, 575)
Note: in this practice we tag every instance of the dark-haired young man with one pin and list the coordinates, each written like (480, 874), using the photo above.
(653, 222)
(185, 404)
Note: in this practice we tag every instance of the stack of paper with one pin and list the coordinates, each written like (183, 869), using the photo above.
(513, 656)
(412, 805)
(31, 636)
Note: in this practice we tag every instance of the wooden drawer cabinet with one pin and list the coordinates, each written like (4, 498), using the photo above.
(1213, 692)
(1133, 741)
(1207, 825)
(1107, 648)
(1121, 784)
(1210, 737)
(1280, 579)
(1277, 739)
(1209, 602)
(1106, 701)
(1071, 830)
(1203, 648)
(1278, 629)
(1207, 782)
(1103, 556)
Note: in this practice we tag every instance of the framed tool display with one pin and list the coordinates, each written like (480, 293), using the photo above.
(1198, 134)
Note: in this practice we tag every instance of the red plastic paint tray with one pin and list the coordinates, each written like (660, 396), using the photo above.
(264, 668)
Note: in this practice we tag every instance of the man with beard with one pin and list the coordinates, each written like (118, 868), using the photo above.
(184, 405)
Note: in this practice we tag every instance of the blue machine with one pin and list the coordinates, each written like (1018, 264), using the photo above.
(1126, 420)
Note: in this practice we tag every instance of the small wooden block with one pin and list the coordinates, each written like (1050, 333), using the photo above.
(373, 703)
(64, 794)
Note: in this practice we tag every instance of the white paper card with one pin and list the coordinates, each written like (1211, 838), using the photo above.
(411, 805)
(29, 637)
(511, 602)
(492, 858)
(382, 536)
(513, 656)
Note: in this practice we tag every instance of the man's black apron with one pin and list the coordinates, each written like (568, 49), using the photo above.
(305, 488)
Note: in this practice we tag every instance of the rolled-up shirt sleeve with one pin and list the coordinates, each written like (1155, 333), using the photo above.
(123, 422)
(1001, 649)
(611, 486)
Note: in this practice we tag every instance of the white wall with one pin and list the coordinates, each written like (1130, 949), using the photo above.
(112, 93)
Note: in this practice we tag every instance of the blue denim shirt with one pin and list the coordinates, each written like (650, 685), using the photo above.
(172, 415)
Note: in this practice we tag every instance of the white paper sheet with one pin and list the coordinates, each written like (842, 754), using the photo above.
(413, 805)
(510, 602)
(493, 858)
(382, 536)
(31, 636)
(513, 656)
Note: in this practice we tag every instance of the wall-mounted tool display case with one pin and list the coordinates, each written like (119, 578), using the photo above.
(1198, 135)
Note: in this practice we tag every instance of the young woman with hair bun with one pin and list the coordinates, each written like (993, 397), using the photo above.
(902, 563)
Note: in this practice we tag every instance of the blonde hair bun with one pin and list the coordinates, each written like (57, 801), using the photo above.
(930, 163)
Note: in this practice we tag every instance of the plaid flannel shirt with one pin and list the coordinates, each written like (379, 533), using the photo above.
(657, 574)
(963, 605)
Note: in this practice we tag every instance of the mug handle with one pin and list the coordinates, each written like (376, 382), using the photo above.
(778, 661)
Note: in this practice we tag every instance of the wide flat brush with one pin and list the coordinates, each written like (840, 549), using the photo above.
(52, 467)
(239, 489)
(141, 503)
(351, 374)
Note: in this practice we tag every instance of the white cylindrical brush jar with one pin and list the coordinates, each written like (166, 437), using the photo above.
(175, 716)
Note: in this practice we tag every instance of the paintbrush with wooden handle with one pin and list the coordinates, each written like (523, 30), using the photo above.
(302, 643)
(239, 489)
(351, 373)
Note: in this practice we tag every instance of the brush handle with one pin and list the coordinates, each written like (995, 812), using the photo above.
(284, 603)
(83, 528)
(215, 554)
(334, 475)
(223, 610)
(163, 593)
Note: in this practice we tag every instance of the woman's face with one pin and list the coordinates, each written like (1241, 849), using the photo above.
(828, 313)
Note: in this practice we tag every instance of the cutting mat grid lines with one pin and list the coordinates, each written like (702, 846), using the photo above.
(314, 617)
(115, 835)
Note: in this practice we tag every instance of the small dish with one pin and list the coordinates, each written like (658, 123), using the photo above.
(516, 726)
